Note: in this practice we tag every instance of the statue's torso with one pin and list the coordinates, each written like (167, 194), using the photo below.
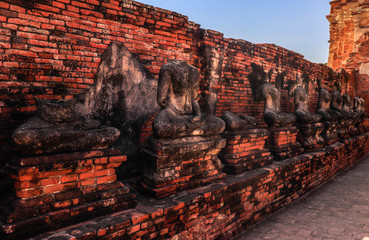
(183, 89)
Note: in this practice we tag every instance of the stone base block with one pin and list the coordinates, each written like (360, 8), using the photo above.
(58, 190)
(179, 164)
(283, 142)
(245, 150)
(309, 136)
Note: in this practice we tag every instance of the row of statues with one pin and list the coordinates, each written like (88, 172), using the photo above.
(180, 115)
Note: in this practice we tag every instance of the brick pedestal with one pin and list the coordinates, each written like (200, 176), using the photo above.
(57, 190)
(329, 133)
(179, 164)
(343, 127)
(283, 142)
(310, 136)
(245, 150)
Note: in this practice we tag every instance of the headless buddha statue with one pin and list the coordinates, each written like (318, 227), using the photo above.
(240, 122)
(272, 109)
(301, 107)
(348, 106)
(58, 127)
(336, 105)
(177, 95)
(324, 103)
(357, 105)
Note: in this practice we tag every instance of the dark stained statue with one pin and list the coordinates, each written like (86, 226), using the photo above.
(59, 128)
(324, 103)
(272, 108)
(302, 107)
(180, 114)
(241, 122)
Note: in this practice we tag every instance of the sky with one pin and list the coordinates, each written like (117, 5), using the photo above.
(298, 25)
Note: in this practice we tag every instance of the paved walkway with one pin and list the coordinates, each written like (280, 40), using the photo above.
(338, 210)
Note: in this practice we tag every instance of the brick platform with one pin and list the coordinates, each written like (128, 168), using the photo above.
(309, 136)
(283, 142)
(179, 164)
(329, 133)
(58, 190)
(245, 150)
(224, 208)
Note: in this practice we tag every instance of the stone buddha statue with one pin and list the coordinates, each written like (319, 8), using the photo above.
(324, 103)
(240, 122)
(180, 114)
(302, 107)
(348, 106)
(336, 105)
(58, 127)
(362, 104)
(272, 109)
(357, 104)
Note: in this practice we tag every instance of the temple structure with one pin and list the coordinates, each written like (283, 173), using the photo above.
(349, 21)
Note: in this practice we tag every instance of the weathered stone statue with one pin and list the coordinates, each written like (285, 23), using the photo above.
(241, 122)
(329, 133)
(282, 132)
(308, 123)
(213, 62)
(272, 110)
(324, 103)
(183, 153)
(122, 97)
(301, 107)
(59, 128)
(336, 105)
(348, 106)
(358, 104)
(362, 104)
(181, 116)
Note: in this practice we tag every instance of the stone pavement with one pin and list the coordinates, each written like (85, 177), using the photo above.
(337, 210)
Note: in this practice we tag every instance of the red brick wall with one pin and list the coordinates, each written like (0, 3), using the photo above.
(52, 50)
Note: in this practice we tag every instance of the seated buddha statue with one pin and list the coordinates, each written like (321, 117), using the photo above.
(336, 106)
(272, 109)
(240, 122)
(180, 114)
(58, 127)
(324, 103)
(348, 106)
(302, 107)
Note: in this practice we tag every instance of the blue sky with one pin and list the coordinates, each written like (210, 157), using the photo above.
(298, 25)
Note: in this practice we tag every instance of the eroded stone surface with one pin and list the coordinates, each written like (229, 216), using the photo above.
(272, 109)
(241, 122)
(121, 98)
(302, 113)
(181, 116)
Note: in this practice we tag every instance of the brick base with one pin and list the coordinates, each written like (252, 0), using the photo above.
(225, 208)
(58, 190)
(329, 133)
(309, 136)
(245, 150)
(283, 142)
(343, 128)
(179, 164)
